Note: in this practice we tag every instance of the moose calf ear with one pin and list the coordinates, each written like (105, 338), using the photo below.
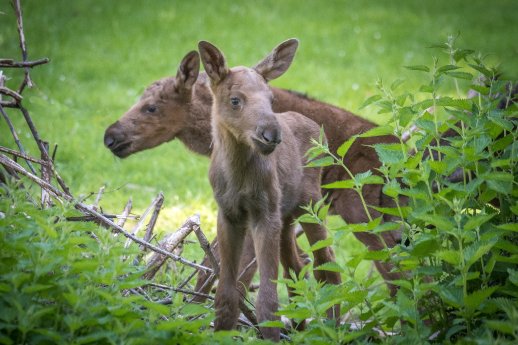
(188, 70)
(213, 61)
(278, 61)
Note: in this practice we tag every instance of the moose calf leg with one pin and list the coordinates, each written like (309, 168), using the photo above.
(227, 295)
(247, 269)
(266, 242)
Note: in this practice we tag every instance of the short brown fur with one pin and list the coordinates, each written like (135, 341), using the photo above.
(258, 180)
(183, 104)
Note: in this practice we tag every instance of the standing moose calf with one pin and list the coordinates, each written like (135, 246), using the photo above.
(258, 179)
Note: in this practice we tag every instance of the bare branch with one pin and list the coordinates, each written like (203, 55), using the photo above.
(154, 217)
(125, 213)
(205, 245)
(8, 92)
(10, 63)
(15, 137)
(56, 193)
(169, 243)
(19, 21)
(22, 155)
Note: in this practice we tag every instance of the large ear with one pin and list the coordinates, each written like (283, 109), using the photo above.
(278, 61)
(188, 70)
(213, 61)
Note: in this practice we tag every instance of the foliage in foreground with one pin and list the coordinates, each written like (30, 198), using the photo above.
(66, 283)
(456, 202)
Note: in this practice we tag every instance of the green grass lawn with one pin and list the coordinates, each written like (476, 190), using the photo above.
(104, 53)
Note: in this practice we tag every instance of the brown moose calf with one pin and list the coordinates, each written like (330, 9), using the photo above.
(258, 179)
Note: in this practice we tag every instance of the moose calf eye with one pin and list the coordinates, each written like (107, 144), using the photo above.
(151, 109)
(236, 102)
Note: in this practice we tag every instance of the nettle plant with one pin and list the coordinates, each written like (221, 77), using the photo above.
(454, 187)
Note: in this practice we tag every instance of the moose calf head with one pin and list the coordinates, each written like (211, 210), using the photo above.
(159, 115)
(242, 98)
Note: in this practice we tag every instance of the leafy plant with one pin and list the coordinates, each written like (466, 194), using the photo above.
(454, 191)
(64, 282)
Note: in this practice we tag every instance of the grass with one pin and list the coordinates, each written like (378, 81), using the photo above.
(104, 53)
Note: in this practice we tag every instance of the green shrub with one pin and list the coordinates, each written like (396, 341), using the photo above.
(65, 282)
(459, 252)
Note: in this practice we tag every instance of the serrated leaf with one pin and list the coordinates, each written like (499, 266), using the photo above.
(482, 70)
(501, 326)
(422, 68)
(483, 90)
(450, 256)
(393, 211)
(447, 68)
(475, 300)
(378, 131)
(342, 150)
(462, 54)
(458, 103)
(321, 244)
(426, 88)
(460, 75)
(477, 220)
(370, 100)
(509, 227)
(377, 255)
(344, 184)
(389, 153)
(275, 324)
(330, 266)
(440, 222)
(396, 83)
(36, 288)
(321, 162)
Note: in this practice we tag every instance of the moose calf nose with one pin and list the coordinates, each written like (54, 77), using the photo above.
(109, 141)
(271, 135)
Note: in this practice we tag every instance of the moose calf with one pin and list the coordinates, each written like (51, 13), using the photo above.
(258, 179)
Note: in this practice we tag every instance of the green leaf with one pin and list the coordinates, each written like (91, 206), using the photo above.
(393, 211)
(422, 68)
(370, 100)
(396, 83)
(475, 300)
(193, 309)
(476, 250)
(440, 222)
(345, 184)
(275, 324)
(330, 266)
(389, 153)
(482, 70)
(321, 244)
(501, 326)
(460, 75)
(378, 255)
(450, 256)
(477, 220)
(509, 227)
(36, 288)
(157, 307)
(377, 132)
(321, 162)
(462, 54)
(342, 150)
(447, 68)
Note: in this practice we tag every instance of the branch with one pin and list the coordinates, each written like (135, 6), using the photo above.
(9, 63)
(56, 193)
(19, 21)
(169, 243)
(8, 92)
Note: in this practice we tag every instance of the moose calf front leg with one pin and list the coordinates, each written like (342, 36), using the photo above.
(227, 295)
(266, 237)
